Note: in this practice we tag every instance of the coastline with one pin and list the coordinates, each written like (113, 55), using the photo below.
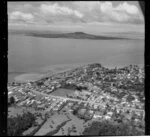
(41, 72)
(47, 71)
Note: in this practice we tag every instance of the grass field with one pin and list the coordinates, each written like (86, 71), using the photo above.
(62, 92)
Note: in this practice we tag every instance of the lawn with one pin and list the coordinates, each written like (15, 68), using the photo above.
(62, 92)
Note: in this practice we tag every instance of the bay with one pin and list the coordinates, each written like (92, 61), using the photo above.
(28, 54)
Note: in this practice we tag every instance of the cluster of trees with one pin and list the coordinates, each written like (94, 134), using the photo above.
(39, 83)
(15, 83)
(17, 125)
(130, 98)
(69, 86)
(73, 87)
(11, 101)
(75, 111)
(109, 129)
(95, 65)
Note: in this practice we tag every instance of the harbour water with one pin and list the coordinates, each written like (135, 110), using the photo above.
(27, 54)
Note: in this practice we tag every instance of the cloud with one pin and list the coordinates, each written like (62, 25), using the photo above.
(131, 9)
(95, 11)
(86, 6)
(55, 9)
(20, 15)
(122, 13)
(75, 12)
(123, 7)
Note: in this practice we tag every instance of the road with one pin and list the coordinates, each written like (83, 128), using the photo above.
(57, 97)
(80, 101)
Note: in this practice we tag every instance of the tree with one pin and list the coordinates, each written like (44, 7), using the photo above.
(130, 98)
(108, 128)
(11, 100)
(17, 125)
(75, 111)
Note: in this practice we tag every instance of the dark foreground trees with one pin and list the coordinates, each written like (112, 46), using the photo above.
(11, 101)
(107, 128)
(17, 125)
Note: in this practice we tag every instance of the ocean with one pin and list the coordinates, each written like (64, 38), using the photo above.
(28, 54)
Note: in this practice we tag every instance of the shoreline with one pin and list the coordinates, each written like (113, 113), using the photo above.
(41, 72)
(47, 71)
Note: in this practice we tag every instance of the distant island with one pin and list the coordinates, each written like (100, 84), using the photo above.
(70, 35)
(74, 35)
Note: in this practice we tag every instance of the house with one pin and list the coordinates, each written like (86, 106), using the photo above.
(110, 113)
(91, 112)
(97, 116)
(10, 92)
(70, 104)
(107, 117)
(95, 106)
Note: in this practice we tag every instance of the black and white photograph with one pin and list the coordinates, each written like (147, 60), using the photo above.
(76, 68)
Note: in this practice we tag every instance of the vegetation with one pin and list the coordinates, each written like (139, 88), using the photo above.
(17, 125)
(130, 98)
(37, 129)
(73, 87)
(107, 128)
(39, 83)
(57, 128)
(11, 101)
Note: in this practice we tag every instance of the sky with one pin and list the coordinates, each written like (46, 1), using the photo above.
(92, 16)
